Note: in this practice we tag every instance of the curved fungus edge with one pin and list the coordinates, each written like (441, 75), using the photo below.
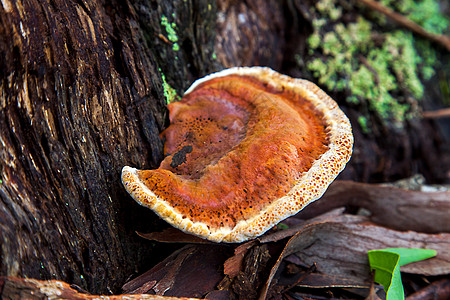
(308, 188)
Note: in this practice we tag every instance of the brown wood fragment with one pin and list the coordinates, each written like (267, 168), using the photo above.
(339, 248)
(234, 264)
(248, 281)
(390, 206)
(292, 230)
(144, 288)
(164, 39)
(443, 40)
(171, 272)
(219, 295)
(224, 284)
(154, 274)
(300, 278)
(24, 288)
(192, 271)
(372, 290)
(436, 114)
(173, 235)
(327, 281)
(438, 290)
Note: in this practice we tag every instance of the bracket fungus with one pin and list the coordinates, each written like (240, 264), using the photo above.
(245, 149)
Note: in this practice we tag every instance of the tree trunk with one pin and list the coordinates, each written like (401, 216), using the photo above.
(81, 96)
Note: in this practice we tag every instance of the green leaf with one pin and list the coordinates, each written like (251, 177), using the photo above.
(282, 226)
(387, 272)
(387, 262)
(408, 256)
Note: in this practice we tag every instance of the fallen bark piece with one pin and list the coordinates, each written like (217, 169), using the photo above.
(173, 235)
(250, 279)
(339, 248)
(234, 264)
(389, 206)
(31, 289)
(438, 290)
(296, 226)
(316, 280)
(192, 271)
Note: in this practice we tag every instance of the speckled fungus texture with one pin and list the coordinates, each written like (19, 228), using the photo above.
(245, 149)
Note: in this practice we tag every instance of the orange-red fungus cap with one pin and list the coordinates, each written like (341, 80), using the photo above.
(245, 149)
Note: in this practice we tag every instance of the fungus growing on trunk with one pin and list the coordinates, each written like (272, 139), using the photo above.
(245, 149)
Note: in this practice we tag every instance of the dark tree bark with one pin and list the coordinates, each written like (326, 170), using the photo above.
(81, 96)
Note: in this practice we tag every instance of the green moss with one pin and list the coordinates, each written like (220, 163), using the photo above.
(329, 9)
(175, 47)
(361, 83)
(380, 70)
(362, 121)
(169, 92)
(171, 33)
(314, 41)
(426, 13)
(404, 61)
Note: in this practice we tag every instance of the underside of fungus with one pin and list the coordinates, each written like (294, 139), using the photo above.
(245, 149)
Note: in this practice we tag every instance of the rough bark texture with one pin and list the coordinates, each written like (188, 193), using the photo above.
(81, 95)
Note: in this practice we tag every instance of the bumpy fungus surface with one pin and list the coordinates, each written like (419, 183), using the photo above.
(246, 148)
